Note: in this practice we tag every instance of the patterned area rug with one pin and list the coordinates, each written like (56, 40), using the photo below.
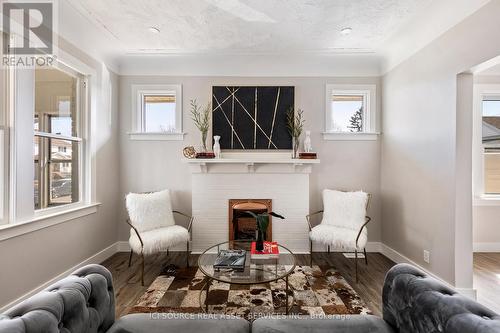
(316, 291)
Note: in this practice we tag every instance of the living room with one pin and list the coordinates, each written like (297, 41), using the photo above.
(140, 143)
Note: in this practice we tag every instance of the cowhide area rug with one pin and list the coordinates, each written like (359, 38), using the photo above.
(316, 291)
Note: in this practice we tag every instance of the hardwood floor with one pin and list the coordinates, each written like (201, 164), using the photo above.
(128, 289)
(487, 279)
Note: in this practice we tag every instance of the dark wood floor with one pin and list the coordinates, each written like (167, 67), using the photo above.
(487, 279)
(128, 284)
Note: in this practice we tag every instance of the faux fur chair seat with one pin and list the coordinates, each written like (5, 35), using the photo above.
(159, 239)
(338, 237)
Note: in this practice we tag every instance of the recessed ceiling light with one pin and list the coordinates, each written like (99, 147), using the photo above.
(346, 31)
(154, 30)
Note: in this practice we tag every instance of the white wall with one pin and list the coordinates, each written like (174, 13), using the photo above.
(31, 259)
(419, 145)
(149, 165)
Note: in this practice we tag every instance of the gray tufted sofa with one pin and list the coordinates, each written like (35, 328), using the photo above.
(84, 303)
(412, 303)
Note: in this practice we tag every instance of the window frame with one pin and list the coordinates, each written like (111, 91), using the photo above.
(81, 106)
(138, 117)
(478, 147)
(369, 93)
(55, 214)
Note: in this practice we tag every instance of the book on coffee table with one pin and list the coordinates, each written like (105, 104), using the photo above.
(270, 251)
(230, 260)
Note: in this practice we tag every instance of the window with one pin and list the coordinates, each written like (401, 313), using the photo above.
(490, 123)
(158, 112)
(57, 138)
(350, 110)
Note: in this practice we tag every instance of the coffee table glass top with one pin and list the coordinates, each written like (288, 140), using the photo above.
(256, 270)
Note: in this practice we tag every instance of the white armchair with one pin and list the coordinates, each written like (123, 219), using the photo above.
(344, 223)
(152, 225)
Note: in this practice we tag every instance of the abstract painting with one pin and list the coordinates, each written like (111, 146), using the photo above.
(252, 117)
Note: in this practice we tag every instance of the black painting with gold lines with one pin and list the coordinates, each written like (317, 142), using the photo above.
(252, 117)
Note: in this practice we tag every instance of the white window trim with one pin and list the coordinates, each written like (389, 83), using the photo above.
(12, 227)
(138, 91)
(52, 217)
(369, 91)
(480, 198)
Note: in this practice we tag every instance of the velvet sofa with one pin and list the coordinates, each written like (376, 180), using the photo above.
(84, 303)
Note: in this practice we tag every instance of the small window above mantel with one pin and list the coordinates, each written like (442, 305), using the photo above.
(350, 112)
(157, 113)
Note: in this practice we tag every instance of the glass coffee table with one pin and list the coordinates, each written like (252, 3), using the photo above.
(257, 271)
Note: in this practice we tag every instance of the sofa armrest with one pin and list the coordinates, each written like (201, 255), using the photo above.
(80, 303)
(416, 302)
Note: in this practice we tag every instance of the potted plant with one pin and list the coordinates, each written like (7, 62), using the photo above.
(295, 124)
(201, 118)
(262, 220)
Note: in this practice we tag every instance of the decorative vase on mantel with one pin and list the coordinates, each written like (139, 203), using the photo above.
(296, 146)
(217, 151)
(204, 142)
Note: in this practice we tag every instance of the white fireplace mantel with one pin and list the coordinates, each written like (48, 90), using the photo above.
(251, 163)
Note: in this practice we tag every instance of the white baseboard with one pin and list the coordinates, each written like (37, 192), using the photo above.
(95, 259)
(398, 258)
(486, 247)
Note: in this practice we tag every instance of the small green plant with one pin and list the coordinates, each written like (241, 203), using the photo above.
(201, 118)
(262, 219)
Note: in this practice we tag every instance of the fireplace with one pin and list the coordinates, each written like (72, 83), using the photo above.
(242, 226)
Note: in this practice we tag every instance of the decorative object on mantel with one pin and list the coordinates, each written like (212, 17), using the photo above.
(262, 220)
(189, 152)
(201, 118)
(307, 142)
(206, 154)
(308, 156)
(217, 146)
(252, 117)
(295, 124)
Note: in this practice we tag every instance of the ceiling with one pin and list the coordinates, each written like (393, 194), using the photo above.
(250, 26)
(270, 37)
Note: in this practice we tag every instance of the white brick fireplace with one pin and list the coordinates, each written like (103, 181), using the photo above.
(284, 181)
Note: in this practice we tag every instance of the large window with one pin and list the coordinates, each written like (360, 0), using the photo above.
(350, 109)
(491, 143)
(57, 138)
(158, 111)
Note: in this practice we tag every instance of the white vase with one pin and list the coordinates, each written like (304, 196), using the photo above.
(217, 146)
(307, 142)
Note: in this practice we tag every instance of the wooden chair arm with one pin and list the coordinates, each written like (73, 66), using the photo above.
(191, 219)
(136, 231)
(368, 219)
(308, 218)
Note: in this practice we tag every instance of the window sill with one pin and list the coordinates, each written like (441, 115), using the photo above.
(487, 200)
(157, 136)
(46, 220)
(338, 136)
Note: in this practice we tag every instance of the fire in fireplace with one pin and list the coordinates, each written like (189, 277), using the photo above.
(242, 226)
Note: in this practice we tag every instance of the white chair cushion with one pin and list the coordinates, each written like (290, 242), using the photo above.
(159, 239)
(338, 238)
(148, 211)
(344, 209)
